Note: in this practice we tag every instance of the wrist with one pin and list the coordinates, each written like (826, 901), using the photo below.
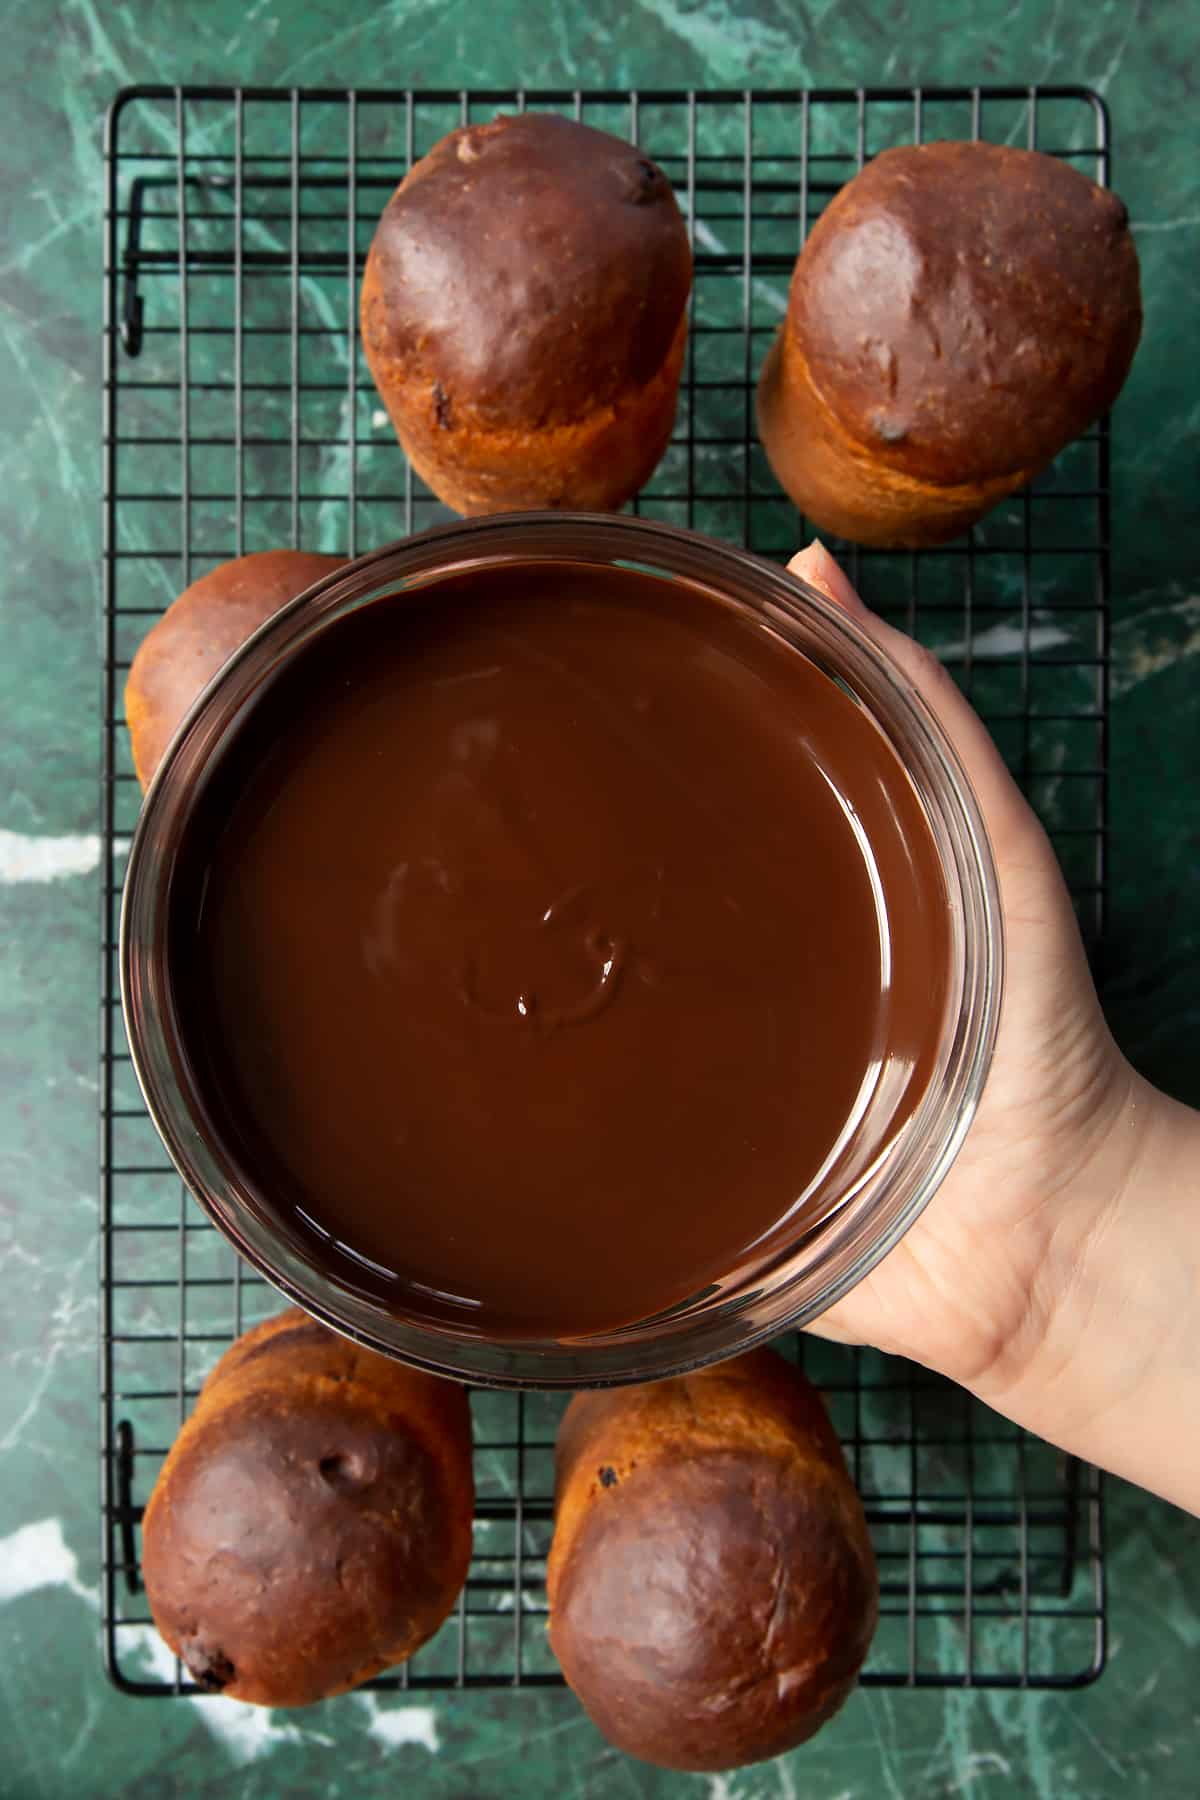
(1108, 1366)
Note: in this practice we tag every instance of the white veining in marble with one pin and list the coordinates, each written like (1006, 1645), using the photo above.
(38, 1556)
(1156, 638)
(1007, 640)
(70, 1332)
(26, 858)
(397, 1725)
(245, 1732)
(775, 296)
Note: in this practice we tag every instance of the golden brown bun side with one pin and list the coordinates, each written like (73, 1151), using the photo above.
(966, 309)
(312, 1523)
(595, 465)
(711, 1580)
(837, 485)
(533, 268)
(198, 634)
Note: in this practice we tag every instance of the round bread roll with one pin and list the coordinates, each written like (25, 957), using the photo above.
(524, 312)
(711, 1580)
(312, 1523)
(198, 634)
(958, 314)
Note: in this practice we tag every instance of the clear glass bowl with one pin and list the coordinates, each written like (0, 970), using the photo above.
(872, 1199)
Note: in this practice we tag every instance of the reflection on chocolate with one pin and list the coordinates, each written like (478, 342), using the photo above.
(542, 941)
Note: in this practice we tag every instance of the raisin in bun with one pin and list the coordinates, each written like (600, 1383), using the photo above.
(312, 1523)
(711, 1580)
(524, 311)
(959, 313)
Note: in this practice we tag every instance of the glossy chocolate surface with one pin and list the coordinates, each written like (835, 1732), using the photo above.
(538, 936)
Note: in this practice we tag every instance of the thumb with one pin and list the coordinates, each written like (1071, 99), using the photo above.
(1011, 822)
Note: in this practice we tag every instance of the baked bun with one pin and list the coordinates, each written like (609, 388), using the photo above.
(198, 634)
(524, 312)
(312, 1523)
(958, 314)
(711, 1580)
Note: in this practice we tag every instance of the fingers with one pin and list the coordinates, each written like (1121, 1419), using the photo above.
(815, 565)
(1011, 823)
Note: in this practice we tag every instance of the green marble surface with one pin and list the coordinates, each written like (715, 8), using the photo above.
(62, 1729)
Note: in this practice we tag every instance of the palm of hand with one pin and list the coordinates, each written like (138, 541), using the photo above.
(968, 1290)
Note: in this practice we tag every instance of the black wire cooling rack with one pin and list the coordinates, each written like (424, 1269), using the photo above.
(239, 416)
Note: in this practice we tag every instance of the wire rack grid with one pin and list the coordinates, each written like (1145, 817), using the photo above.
(239, 416)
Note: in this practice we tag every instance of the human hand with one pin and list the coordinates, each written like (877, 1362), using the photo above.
(1056, 1272)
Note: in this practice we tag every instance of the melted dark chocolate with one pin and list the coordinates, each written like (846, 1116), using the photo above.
(537, 937)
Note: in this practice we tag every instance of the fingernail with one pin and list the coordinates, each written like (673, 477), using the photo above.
(815, 565)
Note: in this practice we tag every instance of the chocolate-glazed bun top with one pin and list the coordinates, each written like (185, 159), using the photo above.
(712, 1586)
(965, 308)
(533, 267)
(312, 1523)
